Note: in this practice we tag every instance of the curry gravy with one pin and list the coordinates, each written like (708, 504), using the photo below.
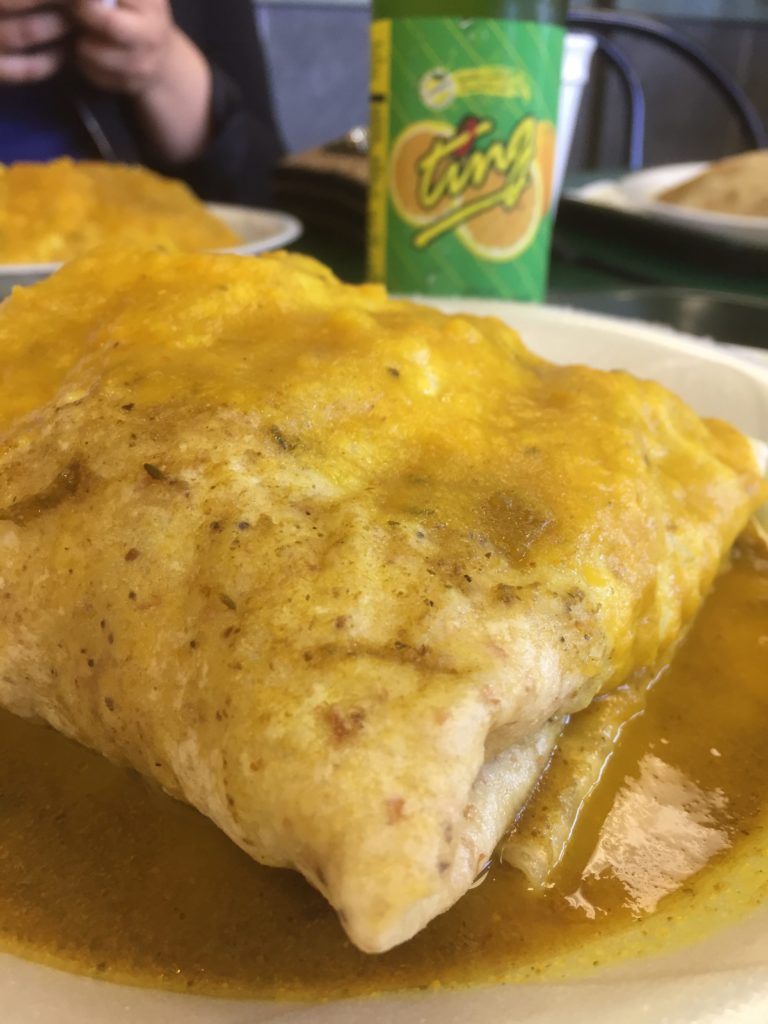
(102, 874)
(55, 210)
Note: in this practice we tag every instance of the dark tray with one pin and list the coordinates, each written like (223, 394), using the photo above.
(739, 319)
(658, 252)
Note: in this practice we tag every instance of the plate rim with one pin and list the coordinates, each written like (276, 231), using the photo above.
(711, 220)
(288, 229)
(658, 335)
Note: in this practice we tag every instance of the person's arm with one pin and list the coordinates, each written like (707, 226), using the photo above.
(193, 76)
(136, 49)
(245, 144)
(32, 38)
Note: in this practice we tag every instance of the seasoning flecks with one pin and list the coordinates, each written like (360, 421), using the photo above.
(280, 439)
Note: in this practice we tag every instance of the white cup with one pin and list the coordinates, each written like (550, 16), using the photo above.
(577, 58)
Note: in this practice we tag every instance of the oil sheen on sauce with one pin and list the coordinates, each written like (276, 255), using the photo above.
(102, 874)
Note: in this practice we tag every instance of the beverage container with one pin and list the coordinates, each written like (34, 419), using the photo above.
(463, 120)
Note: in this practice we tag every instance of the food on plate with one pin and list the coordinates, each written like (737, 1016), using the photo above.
(736, 184)
(539, 839)
(333, 568)
(54, 211)
(103, 874)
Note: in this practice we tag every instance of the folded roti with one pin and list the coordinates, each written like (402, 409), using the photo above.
(736, 185)
(541, 834)
(333, 568)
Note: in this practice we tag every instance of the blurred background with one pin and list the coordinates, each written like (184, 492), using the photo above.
(319, 49)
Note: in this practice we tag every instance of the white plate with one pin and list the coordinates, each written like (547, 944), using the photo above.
(260, 230)
(722, 978)
(636, 193)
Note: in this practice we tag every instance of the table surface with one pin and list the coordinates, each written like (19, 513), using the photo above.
(599, 257)
(347, 259)
(595, 249)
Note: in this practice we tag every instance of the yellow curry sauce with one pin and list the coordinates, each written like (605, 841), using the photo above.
(103, 874)
(55, 211)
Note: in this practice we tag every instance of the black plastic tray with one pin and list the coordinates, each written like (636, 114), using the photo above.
(644, 249)
(739, 319)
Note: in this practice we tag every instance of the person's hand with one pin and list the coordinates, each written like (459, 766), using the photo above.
(32, 38)
(125, 48)
(135, 48)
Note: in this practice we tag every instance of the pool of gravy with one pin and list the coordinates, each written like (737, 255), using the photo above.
(102, 874)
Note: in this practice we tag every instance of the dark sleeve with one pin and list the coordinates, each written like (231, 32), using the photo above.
(245, 145)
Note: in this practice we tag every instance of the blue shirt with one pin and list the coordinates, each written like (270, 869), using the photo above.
(38, 122)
